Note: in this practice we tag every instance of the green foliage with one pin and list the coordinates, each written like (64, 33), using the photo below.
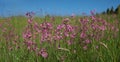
(117, 10)
(108, 11)
(112, 11)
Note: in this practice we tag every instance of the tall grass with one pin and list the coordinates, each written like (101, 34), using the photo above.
(60, 39)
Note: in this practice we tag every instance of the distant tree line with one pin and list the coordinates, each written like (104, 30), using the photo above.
(112, 11)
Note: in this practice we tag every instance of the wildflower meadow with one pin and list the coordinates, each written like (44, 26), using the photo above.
(94, 38)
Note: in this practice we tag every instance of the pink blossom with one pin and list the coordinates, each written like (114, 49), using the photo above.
(28, 47)
(66, 34)
(36, 27)
(30, 14)
(49, 25)
(93, 18)
(82, 35)
(27, 35)
(94, 27)
(29, 21)
(43, 53)
(69, 28)
(69, 42)
(35, 48)
(84, 21)
(112, 27)
(60, 27)
(72, 35)
(29, 43)
(102, 28)
(87, 41)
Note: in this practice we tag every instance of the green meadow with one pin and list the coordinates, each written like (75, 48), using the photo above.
(60, 39)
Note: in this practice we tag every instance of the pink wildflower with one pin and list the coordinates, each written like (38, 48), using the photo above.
(82, 35)
(87, 41)
(69, 42)
(102, 28)
(29, 21)
(43, 53)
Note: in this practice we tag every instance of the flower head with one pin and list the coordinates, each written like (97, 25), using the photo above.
(43, 53)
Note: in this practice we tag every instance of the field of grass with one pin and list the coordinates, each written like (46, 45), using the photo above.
(60, 39)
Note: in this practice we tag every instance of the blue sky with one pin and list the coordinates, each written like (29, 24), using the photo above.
(54, 7)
